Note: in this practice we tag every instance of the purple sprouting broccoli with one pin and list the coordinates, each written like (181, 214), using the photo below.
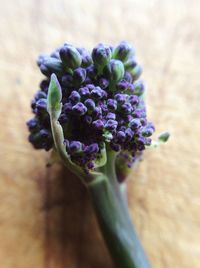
(90, 110)
(100, 99)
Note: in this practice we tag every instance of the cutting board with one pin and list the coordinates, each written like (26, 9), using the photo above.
(46, 218)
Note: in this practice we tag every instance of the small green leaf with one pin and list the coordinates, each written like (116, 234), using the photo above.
(54, 109)
(54, 96)
(163, 137)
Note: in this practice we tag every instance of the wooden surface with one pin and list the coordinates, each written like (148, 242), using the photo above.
(46, 219)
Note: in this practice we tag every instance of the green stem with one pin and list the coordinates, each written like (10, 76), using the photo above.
(115, 223)
(110, 170)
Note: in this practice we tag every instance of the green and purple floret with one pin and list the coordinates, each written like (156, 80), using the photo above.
(90, 112)
(102, 103)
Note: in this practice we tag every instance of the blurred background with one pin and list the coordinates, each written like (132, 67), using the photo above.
(46, 220)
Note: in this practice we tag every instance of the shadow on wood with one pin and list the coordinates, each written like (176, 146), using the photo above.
(71, 232)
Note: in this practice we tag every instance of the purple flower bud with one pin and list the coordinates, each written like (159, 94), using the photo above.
(92, 149)
(143, 121)
(67, 108)
(41, 139)
(75, 147)
(90, 87)
(32, 123)
(139, 113)
(41, 59)
(122, 128)
(136, 72)
(40, 95)
(134, 100)
(103, 83)
(104, 108)
(111, 116)
(128, 77)
(90, 104)
(126, 108)
(49, 65)
(86, 58)
(128, 118)
(70, 56)
(129, 134)
(111, 124)
(79, 75)
(44, 70)
(140, 143)
(101, 55)
(123, 51)
(84, 92)
(122, 85)
(151, 125)
(97, 93)
(121, 98)
(41, 104)
(104, 94)
(139, 88)
(44, 133)
(121, 136)
(147, 132)
(44, 85)
(97, 112)
(114, 70)
(130, 64)
(92, 71)
(130, 88)
(98, 124)
(79, 109)
(112, 104)
(74, 97)
(135, 123)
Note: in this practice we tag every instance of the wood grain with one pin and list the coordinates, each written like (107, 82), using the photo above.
(46, 219)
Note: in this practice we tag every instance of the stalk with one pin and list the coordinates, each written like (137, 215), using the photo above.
(115, 222)
(122, 127)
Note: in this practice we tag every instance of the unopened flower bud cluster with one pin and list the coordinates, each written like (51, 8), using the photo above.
(102, 102)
